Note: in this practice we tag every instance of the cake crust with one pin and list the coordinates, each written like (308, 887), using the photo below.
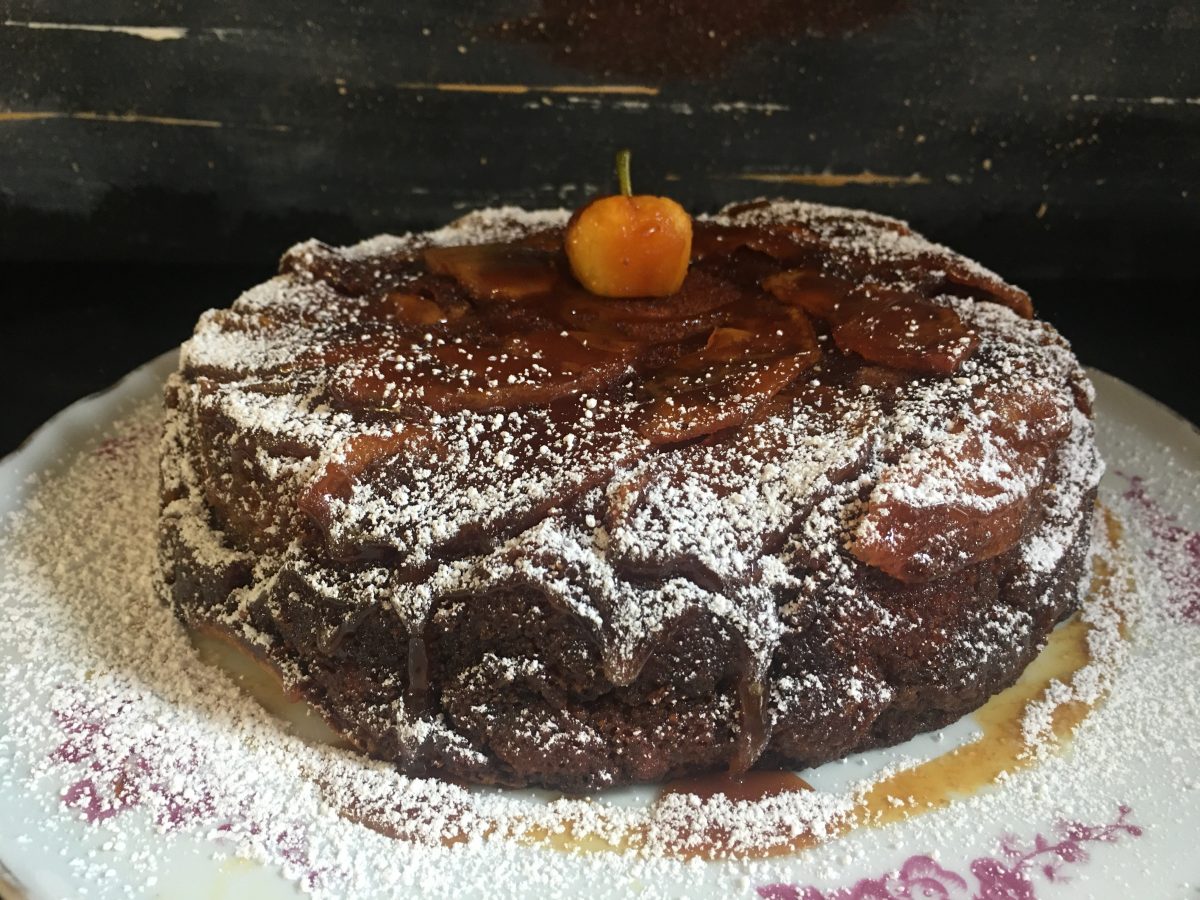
(834, 492)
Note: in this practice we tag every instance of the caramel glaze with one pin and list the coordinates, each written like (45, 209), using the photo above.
(935, 784)
(749, 787)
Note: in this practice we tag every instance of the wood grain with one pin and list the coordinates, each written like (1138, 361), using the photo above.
(1042, 137)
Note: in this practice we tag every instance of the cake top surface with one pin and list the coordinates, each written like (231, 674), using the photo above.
(828, 398)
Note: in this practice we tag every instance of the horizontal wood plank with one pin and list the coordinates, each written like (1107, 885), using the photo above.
(1042, 137)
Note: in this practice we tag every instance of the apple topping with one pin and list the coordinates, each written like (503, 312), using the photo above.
(909, 334)
(787, 243)
(967, 498)
(521, 370)
(740, 369)
(496, 271)
(967, 281)
(335, 481)
(413, 309)
(630, 246)
(695, 309)
(1027, 417)
(823, 296)
(691, 406)
(948, 507)
(762, 333)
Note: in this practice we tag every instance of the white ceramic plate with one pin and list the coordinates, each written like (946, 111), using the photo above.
(1116, 816)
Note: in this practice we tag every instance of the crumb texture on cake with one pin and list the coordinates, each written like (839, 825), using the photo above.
(833, 492)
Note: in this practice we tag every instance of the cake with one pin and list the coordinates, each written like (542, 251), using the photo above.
(834, 491)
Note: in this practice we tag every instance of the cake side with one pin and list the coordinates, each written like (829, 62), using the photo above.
(557, 576)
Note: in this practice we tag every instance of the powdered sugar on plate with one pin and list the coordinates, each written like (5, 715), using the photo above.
(120, 749)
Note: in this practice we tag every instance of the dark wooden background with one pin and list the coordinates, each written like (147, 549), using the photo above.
(156, 156)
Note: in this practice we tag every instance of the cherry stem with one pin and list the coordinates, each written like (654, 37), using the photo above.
(623, 179)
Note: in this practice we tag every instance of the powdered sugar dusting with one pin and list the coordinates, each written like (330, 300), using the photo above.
(111, 717)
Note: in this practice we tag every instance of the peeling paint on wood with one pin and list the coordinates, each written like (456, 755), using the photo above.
(739, 106)
(1136, 101)
(146, 32)
(832, 179)
(464, 88)
(122, 118)
(29, 116)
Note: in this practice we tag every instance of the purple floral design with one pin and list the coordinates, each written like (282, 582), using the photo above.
(110, 778)
(120, 778)
(1009, 875)
(1175, 550)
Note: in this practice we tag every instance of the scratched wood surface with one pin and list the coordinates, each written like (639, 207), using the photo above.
(1045, 137)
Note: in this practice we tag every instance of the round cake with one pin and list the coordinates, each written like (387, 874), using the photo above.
(833, 491)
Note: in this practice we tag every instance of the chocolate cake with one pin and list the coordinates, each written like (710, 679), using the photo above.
(832, 492)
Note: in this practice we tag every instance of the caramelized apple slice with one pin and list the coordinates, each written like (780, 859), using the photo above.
(786, 243)
(529, 370)
(723, 397)
(879, 380)
(818, 294)
(413, 309)
(335, 481)
(1028, 417)
(628, 350)
(909, 334)
(727, 343)
(524, 370)
(700, 293)
(938, 274)
(969, 281)
(743, 365)
(968, 498)
(695, 309)
(763, 333)
(496, 271)
(547, 240)
(948, 507)
(653, 332)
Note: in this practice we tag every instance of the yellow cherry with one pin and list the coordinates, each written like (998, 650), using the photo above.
(627, 246)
